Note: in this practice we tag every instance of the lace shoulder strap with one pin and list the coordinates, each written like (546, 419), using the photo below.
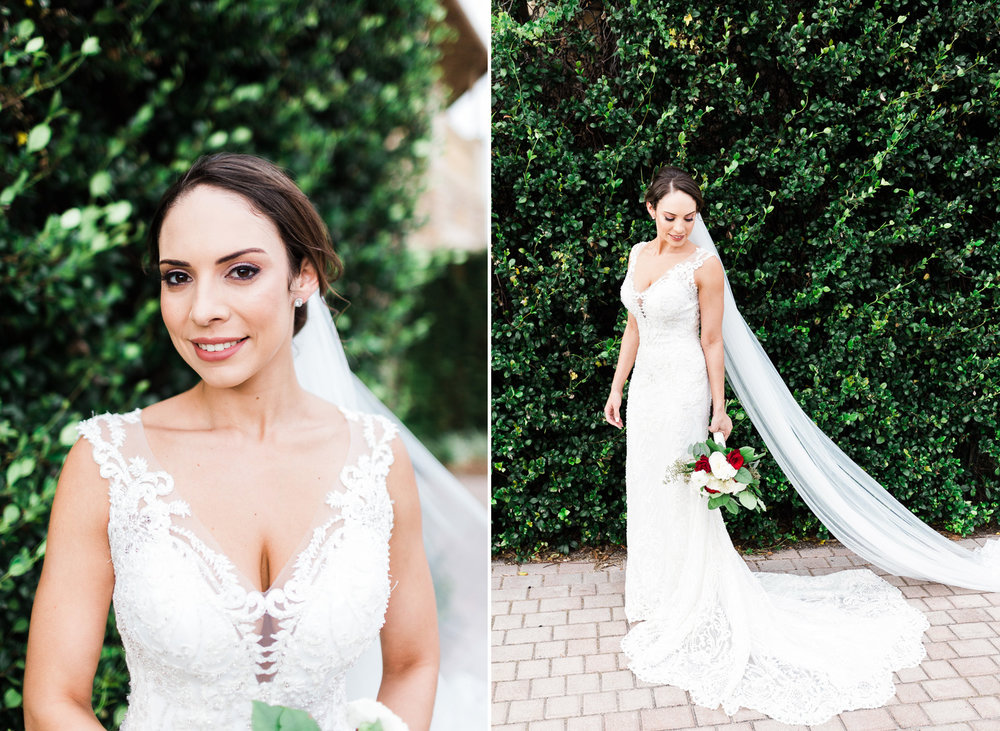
(689, 267)
(107, 435)
(365, 474)
(632, 255)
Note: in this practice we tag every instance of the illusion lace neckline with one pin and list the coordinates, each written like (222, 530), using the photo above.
(207, 546)
(660, 278)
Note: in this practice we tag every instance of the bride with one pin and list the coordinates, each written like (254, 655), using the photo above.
(797, 648)
(254, 537)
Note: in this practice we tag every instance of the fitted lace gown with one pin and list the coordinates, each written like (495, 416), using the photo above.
(797, 648)
(201, 642)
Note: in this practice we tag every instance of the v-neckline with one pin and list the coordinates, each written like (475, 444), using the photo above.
(635, 263)
(210, 544)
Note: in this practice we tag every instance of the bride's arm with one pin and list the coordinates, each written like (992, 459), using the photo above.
(626, 359)
(410, 652)
(71, 602)
(709, 278)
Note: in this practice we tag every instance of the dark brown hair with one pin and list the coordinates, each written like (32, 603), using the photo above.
(668, 179)
(271, 193)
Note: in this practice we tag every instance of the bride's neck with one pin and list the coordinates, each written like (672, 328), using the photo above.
(253, 409)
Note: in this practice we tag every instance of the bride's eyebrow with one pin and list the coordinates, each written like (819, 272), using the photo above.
(221, 260)
(684, 216)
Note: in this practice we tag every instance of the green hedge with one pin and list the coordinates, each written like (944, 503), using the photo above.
(850, 159)
(103, 104)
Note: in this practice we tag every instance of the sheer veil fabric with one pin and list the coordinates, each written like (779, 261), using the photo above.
(455, 529)
(854, 507)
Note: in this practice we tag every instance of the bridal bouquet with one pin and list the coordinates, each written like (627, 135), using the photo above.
(363, 714)
(727, 477)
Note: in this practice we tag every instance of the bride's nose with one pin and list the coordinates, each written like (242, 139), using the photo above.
(208, 304)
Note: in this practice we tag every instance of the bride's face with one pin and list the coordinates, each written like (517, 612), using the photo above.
(225, 294)
(674, 215)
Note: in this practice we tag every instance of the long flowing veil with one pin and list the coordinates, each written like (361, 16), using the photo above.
(853, 506)
(456, 538)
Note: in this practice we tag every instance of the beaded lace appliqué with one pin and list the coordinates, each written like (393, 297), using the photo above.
(198, 638)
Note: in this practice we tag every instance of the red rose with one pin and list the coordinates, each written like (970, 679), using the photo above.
(735, 459)
(702, 464)
(714, 492)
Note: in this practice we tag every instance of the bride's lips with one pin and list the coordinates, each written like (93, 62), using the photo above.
(215, 349)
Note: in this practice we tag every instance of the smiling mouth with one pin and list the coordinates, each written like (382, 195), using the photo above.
(217, 347)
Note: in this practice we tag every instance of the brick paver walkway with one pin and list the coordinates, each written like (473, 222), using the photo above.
(557, 664)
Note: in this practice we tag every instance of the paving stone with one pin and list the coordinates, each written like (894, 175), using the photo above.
(609, 645)
(547, 592)
(635, 699)
(562, 580)
(675, 717)
(555, 648)
(937, 669)
(940, 651)
(585, 723)
(982, 665)
(566, 666)
(911, 693)
(523, 606)
(973, 630)
(602, 703)
(508, 621)
(528, 669)
(531, 710)
(563, 706)
(559, 603)
(548, 687)
(617, 680)
(498, 714)
(572, 631)
(968, 601)
(612, 628)
(873, 719)
(511, 727)
(985, 684)
(584, 683)
(988, 708)
(667, 695)
(710, 716)
(949, 711)
(528, 634)
(600, 663)
(597, 614)
(545, 619)
(512, 690)
(946, 688)
(504, 653)
(500, 671)
(586, 646)
(971, 648)
(623, 721)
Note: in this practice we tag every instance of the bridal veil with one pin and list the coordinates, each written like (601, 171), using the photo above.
(855, 508)
(455, 529)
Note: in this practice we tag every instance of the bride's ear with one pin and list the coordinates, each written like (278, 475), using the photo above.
(651, 209)
(306, 282)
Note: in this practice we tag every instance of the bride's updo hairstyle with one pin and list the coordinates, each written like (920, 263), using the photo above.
(669, 179)
(270, 193)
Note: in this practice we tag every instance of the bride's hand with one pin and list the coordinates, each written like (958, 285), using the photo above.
(613, 409)
(721, 422)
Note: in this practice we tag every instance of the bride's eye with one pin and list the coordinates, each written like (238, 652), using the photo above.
(244, 272)
(175, 278)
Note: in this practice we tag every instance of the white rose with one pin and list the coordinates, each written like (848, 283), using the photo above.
(732, 487)
(367, 710)
(714, 483)
(720, 467)
(700, 478)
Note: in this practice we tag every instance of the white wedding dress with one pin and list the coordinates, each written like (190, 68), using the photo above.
(797, 648)
(201, 642)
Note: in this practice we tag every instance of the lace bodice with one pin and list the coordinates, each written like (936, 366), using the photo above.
(201, 642)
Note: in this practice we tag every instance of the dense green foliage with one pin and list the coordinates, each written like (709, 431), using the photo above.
(850, 157)
(101, 105)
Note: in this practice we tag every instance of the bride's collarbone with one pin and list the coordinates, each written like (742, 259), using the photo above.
(652, 265)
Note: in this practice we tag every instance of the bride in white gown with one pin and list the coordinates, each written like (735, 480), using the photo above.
(255, 538)
(797, 648)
